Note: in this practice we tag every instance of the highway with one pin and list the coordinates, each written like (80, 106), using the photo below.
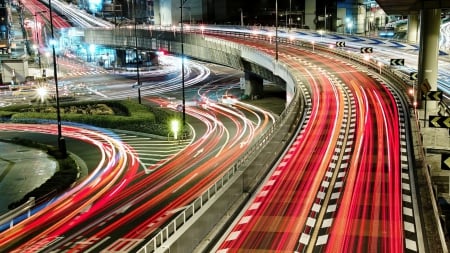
(338, 188)
(97, 214)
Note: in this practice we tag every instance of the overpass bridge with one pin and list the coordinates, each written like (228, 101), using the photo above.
(251, 61)
(254, 64)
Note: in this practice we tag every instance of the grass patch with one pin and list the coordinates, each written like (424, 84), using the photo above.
(123, 114)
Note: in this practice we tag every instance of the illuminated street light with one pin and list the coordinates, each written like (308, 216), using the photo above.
(61, 141)
(350, 25)
(137, 61)
(175, 127)
(42, 93)
(380, 64)
(276, 30)
(182, 2)
(291, 39)
(321, 34)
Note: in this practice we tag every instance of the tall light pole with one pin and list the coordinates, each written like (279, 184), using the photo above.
(182, 2)
(290, 14)
(137, 59)
(276, 30)
(61, 141)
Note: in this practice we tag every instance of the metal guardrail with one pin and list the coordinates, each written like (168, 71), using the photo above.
(170, 229)
(189, 212)
(20, 210)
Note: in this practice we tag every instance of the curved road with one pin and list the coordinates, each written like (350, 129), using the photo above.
(339, 186)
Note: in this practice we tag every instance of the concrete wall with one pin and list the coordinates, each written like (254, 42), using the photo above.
(14, 69)
(196, 46)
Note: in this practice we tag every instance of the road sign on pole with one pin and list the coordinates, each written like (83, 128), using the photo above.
(340, 43)
(413, 76)
(445, 161)
(397, 62)
(434, 95)
(366, 50)
(439, 121)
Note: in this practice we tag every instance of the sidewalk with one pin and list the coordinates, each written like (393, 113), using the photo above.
(22, 169)
(429, 144)
(436, 141)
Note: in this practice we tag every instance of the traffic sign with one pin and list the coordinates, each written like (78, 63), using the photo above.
(413, 76)
(425, 87)
(445, 161)
(439, 121)
(397, 62)
(366, 50)
(340, 43)
(434, 95)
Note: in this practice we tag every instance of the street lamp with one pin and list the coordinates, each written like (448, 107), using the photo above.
(137, 60)
(42, 93)
(182, 2)
(321, 34)
(175, 127)
(276, 30)
(350, 25)
(61, 141)
(290, 14)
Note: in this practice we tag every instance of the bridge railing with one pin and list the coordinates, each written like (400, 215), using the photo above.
(190, 211)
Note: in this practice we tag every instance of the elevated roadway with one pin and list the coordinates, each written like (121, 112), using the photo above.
(406, 7)
(206, 48)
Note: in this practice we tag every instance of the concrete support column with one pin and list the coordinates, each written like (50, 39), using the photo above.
(360, 23)
(310, 14)
(253, 86)
(413, 28)
(430, 20)
(121, 57)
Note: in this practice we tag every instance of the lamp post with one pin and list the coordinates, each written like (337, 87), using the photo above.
(61, 141)
(137, 60)
(175, 127)
(276, 30)
(290, 13)
(182, 2)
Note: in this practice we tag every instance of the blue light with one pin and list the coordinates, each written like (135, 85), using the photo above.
(95, 5)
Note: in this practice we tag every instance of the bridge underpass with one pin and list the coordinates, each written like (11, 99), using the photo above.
(424, 19)
(205, 49)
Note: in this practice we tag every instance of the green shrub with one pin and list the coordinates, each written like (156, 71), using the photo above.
(125, 115)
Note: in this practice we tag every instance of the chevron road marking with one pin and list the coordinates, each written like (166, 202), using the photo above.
(366, 50)
(439, 121)
(445, 161)
(434, 95)
(397, 62)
